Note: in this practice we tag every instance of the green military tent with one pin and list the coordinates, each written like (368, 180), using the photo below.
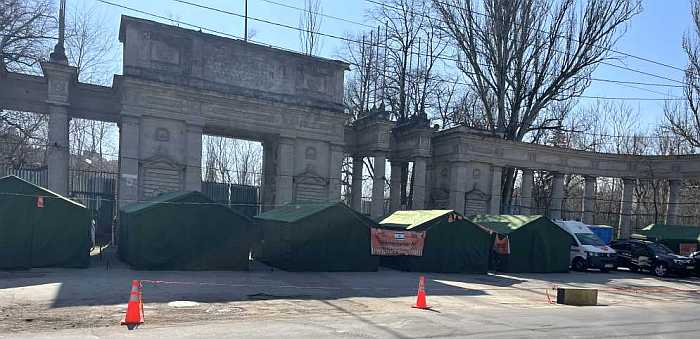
(322, 237)
(537, 244)
(452, 243)
(39, 228)
(674, 236)
(184, 231)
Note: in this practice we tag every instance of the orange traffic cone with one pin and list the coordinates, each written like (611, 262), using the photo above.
(134, 309)
(421, 302)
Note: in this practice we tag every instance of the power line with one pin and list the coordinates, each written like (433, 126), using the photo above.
(602, 62)
(359, 42)
(548, 32)
(202, 28)
(420, 54)
(318, 13)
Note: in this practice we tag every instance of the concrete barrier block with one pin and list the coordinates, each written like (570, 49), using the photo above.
(577, 296)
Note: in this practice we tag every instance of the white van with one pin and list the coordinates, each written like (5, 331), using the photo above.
(588, 251)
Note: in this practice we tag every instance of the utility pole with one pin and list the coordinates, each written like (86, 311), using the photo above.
(245, 34)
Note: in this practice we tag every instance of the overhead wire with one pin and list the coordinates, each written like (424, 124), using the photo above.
(437, 57)
(659, 63)
(356, 41)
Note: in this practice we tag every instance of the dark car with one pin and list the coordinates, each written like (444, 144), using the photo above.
(696, 257)
(642, 255)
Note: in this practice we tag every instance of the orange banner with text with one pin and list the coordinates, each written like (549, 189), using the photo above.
(390, 242)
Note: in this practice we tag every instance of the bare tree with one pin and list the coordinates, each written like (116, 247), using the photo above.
(310, 22)
(24, 28)
(92, 51)
(522, 56)
(684, 119)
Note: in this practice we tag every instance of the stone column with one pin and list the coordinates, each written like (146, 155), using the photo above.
(496, 190)
(458, 185)
(336, 168)
(674, 198)
(269, 183)
(420, 177)
(284, 190)
(377, 207)
(625, 225)
(395, 189)
(526, 184)
(557, 196)
(60, 78)
(356, 189)
(129, 135)
(587, 203)
(193, 158)
(58, 152)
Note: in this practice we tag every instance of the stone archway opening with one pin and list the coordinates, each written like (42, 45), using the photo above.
(232, 172)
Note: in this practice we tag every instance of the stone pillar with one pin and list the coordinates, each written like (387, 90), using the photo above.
(129, 135)
(557, 196)
(458, 185)
(674, 199)
(496, 190)
(58, 152)
(395, 189)
(587, 203)
(284, 190)
(625, 225)
(193, 158)
(269, 183)
(60, 78)
(420, 177)
(334, 173)
(377, 207)
(526, 184)
(356, 189)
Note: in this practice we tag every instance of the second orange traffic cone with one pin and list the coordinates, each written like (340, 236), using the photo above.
(134, 309)
(421, 302)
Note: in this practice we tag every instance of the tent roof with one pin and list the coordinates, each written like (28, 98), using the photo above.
(411, 219)
(504, 224)
(165, 198)
(295, 212)
(11, 179)
(663, 231)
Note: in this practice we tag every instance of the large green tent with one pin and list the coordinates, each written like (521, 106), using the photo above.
(184, 231)
(673, 236)
(452, 244)
(39, 228)
(323, 237)
(537, 244)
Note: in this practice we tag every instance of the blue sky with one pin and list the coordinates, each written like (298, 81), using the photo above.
(655, 34)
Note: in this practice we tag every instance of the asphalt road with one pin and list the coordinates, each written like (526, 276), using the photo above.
(669, 320)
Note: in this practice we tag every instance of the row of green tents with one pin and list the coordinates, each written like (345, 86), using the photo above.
(186, 230)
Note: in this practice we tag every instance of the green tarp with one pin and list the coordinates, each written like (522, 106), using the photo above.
(316, 237)
(453, 244)
(184, 231)
(672, 235)
(537, 244)
(57, 234)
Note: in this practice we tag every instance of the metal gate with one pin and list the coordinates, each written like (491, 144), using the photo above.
(244, 199)
(97, 190)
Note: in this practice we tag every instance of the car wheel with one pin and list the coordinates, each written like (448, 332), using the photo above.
(634, 269)
(605, 270)
(660, 270)
(579, 265)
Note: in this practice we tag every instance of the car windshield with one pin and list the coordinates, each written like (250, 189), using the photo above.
(659, 248)
(589, 239)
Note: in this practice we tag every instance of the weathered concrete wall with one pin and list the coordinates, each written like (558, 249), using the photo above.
(184, 57)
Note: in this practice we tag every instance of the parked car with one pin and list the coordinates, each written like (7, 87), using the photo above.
(696, 258)
(642, 255)
(587, 250)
